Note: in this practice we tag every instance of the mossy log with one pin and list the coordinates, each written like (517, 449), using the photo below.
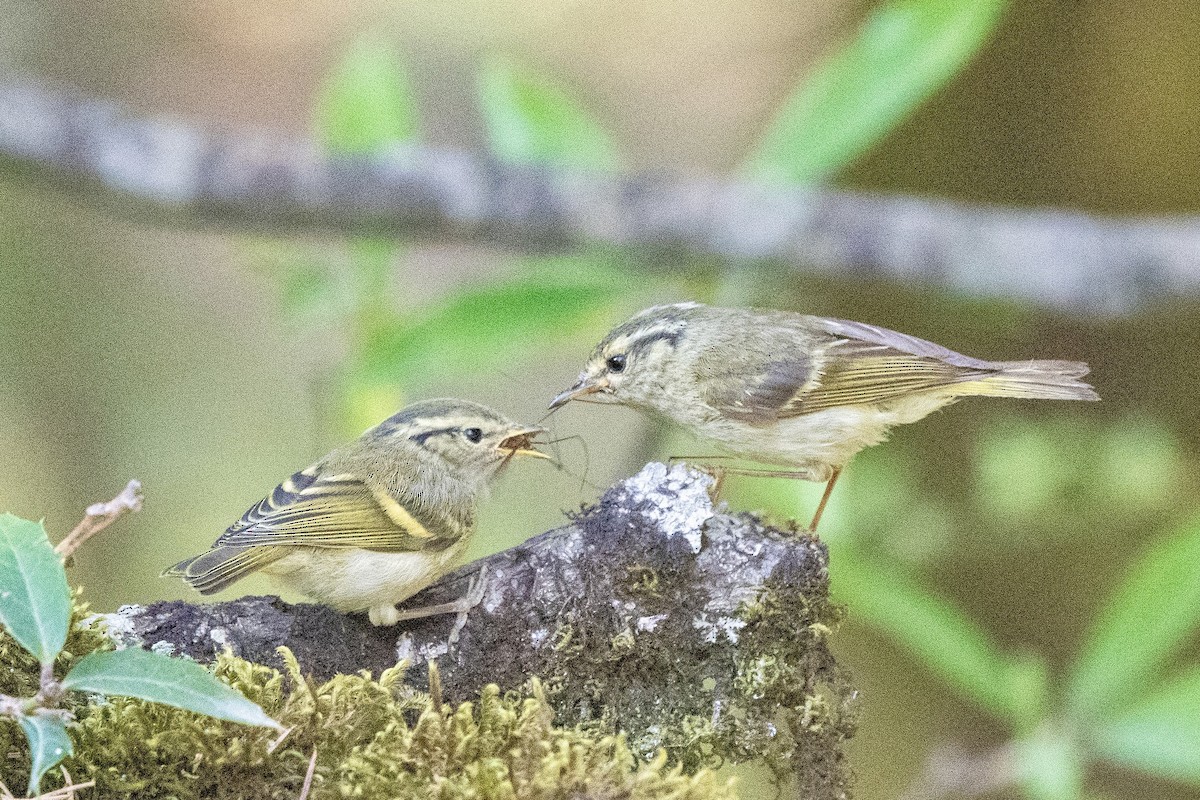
(686, 629)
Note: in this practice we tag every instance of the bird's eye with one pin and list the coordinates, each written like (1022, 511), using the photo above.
(474, 435)
(615, 363)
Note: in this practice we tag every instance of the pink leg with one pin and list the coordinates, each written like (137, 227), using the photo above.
(824, 499)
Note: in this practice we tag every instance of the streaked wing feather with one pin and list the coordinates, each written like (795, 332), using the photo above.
(869, 364)
(331, 511)
(862, 336)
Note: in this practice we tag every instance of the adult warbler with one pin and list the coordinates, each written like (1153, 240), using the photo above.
(799, 391)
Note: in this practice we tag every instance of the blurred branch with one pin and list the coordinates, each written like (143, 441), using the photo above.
(271, 182)
(689, 630)
(952, 771)
(99, 516)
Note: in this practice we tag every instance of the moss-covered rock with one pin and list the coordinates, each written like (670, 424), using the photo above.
(654, 629)
(373, 738)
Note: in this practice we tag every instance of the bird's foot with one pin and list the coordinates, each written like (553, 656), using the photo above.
(390, 615)
(383, 616)
(472, 598)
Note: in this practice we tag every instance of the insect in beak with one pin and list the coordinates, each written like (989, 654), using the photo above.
(585, 386)
(521, 444)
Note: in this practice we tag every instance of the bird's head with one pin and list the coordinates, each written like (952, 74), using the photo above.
(470, 439)
(632, 364)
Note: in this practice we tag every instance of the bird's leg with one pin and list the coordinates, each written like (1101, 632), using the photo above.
(824, 499)
(390, 615)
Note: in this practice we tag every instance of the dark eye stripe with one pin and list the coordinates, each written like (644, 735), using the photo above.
(669, 335)
(421, 438)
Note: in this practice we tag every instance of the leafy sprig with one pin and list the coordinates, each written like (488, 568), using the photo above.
(35, 609)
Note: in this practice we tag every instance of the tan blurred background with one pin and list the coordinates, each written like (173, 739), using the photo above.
(128, 350)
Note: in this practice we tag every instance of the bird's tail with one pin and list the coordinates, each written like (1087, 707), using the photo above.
(214, 570)
(1044, 380)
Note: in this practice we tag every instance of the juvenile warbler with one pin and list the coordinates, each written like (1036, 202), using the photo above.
(376, 521)
(796, 390)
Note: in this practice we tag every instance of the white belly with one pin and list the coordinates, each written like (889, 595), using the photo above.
(355, 580)
(823, 441)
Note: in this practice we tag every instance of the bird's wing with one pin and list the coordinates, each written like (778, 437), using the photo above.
(756, 389)
(868, 364)
(834, 363)
(311, 508)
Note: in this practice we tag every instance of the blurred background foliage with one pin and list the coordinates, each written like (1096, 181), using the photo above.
(1023, 579)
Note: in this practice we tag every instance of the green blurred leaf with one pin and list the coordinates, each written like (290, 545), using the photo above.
(48, 745)
(160, 679)
(902, 54)
(1138, 467)
(1050, 765)
(35, 602)
(306, 287)
(942, 637)
(531, 122)
(1148, 617)
(1160, 735)
(489, 326)
(366, 105)
(1022, 470)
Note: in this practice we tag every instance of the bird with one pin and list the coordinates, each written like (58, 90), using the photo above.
(377, 520)
(793, 390)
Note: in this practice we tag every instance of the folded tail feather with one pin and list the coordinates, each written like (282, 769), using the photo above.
(216, 569)
(1044, 380)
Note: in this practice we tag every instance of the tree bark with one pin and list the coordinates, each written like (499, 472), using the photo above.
(652, 612)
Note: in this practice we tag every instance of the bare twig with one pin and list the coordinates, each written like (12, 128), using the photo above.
(186, 175)
(50, 690)
(951, 771)
(100, 516)
(308, 776)
(66, 792)
(70, 786)
(11, 706)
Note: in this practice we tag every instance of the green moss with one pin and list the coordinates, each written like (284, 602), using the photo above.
(373, 739)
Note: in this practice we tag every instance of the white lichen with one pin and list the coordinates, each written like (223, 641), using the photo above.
(650, 623)
(163, 648)
(119, 626)
(714, 629)
(674, 500)
(432, 651)
(405, 650)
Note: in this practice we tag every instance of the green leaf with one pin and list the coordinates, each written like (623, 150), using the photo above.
(1146, 620)
(1022, 470)
(1049, 765)
(1139, 467)
(366, 104)
(48, 745)
(902, 54)
(160, 679)
(1160, 735)
(35, 602)
(489, 326)
(531, 122)
(943, 638)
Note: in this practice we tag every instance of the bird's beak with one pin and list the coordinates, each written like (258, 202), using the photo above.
(520, 442)
(584, 386)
